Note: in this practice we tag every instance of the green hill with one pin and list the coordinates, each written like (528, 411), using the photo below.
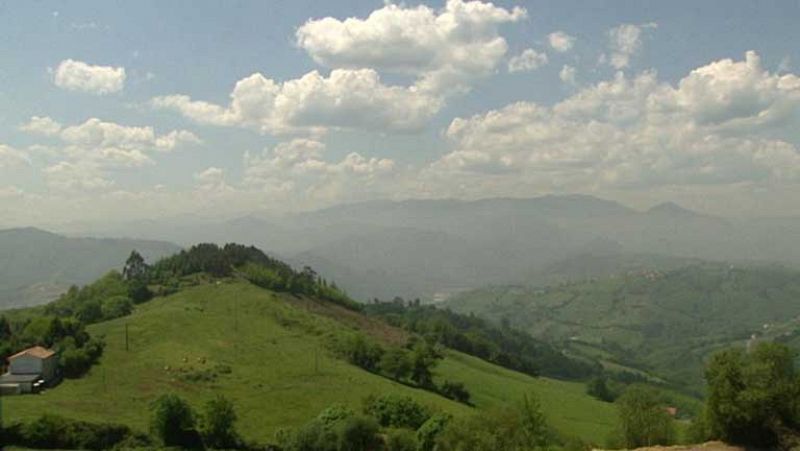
(268, 353)
(664, 322)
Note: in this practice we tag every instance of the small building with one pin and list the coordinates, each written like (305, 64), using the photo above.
(29, 370)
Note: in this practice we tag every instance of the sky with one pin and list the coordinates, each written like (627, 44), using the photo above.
(150, 109)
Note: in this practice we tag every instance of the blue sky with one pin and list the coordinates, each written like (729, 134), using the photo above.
(639, 101)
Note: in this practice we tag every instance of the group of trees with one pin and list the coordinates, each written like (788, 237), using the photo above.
(410, 426)
(175, 423)
(249, 262)
(753, 400)
(61, 324)
(469, 334)
(54, 432)
(412, 364)
(67, 336)
(644, 419)
(753, 397)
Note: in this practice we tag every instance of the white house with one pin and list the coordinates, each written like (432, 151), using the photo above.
(29, 370)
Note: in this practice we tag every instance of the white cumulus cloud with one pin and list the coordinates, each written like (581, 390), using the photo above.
(625, 41)
(79, 76)
(298, 168)
(10, 157)
(567, 74)
(724, 123)
(90, 150)
(560, 41)
(345, 99)
(528, 60)
(446, 49)
(41, 125)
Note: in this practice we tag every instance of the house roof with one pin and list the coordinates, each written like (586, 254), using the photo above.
(36, 351)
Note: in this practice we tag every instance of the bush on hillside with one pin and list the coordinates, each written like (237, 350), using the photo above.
(644, 420)
(336, 428)
(396, 363)
(359, 350)
(218, 425)
(401, 440)
(508, 428)
(455, 391)
(51, 432)
(173, 422)
(598, 388)
(357, 433)
(430, 430)
(396, 411)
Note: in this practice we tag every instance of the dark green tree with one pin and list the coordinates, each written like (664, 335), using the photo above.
(173, 422)
(510, 428)
(753, 397)
(644, 420)
(423, 358)
(427, 433)
(395, 363)
(135, 267)
(598, 388)
(357, 433)
(219, 424)
(455, 391)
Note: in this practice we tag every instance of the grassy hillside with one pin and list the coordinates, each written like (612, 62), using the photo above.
(666, 322)
(280, 372)
(36, 266)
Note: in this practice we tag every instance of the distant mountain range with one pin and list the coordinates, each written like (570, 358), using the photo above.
(36, 266)
(432, 248)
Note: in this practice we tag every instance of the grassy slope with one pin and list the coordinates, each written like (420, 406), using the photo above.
(282, 375)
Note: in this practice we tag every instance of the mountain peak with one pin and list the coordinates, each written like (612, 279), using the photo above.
(671, 208)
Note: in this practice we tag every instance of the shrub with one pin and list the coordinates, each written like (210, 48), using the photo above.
(50, 431)
(455, 391)
(507, 428)
(427, 433)
(360, 352)
(334, 414)
(173, 422)
(644, 421)
(116, 307)
(396, 411)
(357, 433)
(336, 428)
(396, 363)
(219, 424)
(401, 440)
(598, 388)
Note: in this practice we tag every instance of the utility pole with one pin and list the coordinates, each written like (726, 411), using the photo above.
(127, 347)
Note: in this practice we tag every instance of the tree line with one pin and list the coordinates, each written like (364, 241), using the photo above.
(501, 345)
(388, 422)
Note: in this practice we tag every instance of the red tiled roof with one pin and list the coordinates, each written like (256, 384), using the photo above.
(36, 351)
